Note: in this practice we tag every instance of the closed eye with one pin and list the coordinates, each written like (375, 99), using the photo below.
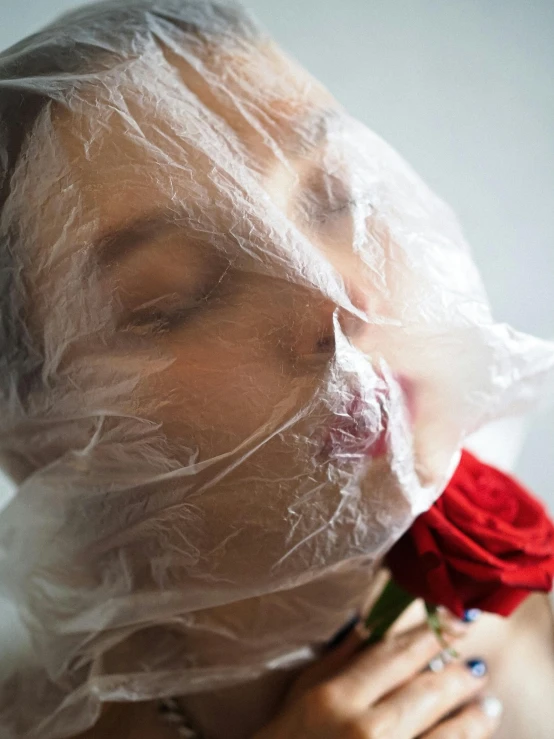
(173, 311)
(322, 215)
(327, 197)
(160, 317)
(340, 210)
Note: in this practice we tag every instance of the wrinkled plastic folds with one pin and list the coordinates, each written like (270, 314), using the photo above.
(241, 347)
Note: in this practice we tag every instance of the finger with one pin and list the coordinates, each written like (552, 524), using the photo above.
(427, 699)
(479, 720)
(332, 660)
(354, 638)
(374, 671)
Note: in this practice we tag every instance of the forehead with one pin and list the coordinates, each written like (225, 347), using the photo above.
(172, 120)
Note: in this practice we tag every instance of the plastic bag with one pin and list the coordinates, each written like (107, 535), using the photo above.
(241, 347)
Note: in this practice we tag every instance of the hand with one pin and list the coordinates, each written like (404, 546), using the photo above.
(385, 692)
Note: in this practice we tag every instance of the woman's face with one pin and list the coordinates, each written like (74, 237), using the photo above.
(230, 325)
(260, 341)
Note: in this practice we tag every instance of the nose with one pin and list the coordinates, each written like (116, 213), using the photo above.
(319, 319)
(355, 319)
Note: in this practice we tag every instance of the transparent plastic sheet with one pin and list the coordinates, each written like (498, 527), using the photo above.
(241, 347)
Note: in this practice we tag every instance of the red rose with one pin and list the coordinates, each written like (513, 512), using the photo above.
(486, 543)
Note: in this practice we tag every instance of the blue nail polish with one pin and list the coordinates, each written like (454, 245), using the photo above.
(471, 615)
(477, 667)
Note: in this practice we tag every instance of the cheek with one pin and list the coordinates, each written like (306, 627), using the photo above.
(223, 393)
(231, 377)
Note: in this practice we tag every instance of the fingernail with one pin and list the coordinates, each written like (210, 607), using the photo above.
(471, 615)
(491, 706)
(477, 667)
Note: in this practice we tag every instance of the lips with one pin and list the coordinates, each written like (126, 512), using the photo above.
(361, 431)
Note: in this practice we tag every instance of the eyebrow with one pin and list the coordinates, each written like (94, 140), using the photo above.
(114, 245)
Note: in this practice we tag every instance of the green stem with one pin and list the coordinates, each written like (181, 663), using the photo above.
(434, 625)
(392, 602)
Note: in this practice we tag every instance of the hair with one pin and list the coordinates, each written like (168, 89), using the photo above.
(43, 68)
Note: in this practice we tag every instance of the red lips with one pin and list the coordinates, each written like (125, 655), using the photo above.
(362, 429)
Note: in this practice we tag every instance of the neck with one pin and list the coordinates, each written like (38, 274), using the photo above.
(225, 711)
(129, 720)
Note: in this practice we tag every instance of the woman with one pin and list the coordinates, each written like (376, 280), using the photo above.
(242, 345)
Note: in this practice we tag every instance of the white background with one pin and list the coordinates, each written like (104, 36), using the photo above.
(464, 90)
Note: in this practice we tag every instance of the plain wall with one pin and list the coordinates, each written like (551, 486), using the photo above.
(464, 90)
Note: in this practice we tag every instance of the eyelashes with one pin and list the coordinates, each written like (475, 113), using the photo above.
(327, 199)
(323, 214)
(161, 321)
(173, 311)
(180, 295)
(336, 217)
(158, 320)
